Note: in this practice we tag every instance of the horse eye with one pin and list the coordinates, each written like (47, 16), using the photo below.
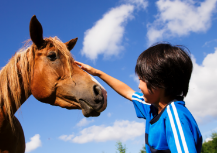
(52, 56)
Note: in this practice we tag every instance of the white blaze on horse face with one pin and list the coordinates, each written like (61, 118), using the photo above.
(104, 92)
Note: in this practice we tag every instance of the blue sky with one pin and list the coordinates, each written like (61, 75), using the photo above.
(111, 35)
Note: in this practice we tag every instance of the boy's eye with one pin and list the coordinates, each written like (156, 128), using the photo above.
(52, 56)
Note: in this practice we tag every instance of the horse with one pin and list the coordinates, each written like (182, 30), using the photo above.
(46, 70)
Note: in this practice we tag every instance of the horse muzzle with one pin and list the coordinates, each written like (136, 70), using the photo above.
(96, 106)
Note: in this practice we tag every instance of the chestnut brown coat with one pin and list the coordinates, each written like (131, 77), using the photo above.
(46, 70)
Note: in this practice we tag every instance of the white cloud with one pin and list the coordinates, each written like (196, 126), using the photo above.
(84, 122)
(209, 42)
(202, 97)
(208, 139)
(105, 37)
(180, 17)
(135, 78)
(121, 130)
(138, 3)
(34, 143)
(66, 137)
(109, 114)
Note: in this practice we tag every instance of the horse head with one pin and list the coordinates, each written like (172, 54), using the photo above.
(57, 80)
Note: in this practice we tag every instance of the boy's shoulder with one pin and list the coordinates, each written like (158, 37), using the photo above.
(177, 112)
(137, 96)
(142, 108)
(179, 108)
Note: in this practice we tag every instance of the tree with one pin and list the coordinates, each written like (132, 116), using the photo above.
(120, 147)
(214, 141)
(210, 146)
(143, 149)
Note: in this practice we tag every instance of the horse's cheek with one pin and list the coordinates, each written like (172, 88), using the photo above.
(42, 91)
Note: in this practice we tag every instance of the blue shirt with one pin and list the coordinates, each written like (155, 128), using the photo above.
(173, 130)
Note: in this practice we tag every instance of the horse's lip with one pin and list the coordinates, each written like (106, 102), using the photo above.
(84, 102)
(87, 109)
(70, 100)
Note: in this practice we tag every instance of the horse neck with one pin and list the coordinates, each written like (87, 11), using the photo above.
(15, 82)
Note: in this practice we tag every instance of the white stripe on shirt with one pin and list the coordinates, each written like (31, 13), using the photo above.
(138, 96)
(180, 128)
(141, 101)
(174, 130)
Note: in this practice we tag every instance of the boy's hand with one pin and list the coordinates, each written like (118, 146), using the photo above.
(120, 87)
(87, 68)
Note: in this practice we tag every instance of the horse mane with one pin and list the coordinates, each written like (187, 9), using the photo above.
(14, 77)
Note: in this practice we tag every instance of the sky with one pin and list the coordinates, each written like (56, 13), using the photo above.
(111, 35)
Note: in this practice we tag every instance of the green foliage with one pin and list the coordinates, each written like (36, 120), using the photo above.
(120, 147)
(143, 150)
(210, 146)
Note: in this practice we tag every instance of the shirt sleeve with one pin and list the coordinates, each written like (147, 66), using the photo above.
(142, 108)
(179, 132)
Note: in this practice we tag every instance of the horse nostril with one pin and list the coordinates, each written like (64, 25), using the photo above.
(97, 90)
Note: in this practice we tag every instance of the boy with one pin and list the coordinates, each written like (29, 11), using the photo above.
(164, 72)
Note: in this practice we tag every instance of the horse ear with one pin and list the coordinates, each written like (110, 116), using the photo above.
(71, 43)
(36, 31)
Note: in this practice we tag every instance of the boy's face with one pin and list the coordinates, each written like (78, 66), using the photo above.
(151, 98)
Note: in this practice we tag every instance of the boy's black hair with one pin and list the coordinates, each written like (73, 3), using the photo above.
(165, 66)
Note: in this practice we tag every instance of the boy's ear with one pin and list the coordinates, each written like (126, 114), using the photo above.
(71, 43)
(36, 31)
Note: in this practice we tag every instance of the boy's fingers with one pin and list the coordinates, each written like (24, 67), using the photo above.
(83, 66)
(76, 62)
(79, 63)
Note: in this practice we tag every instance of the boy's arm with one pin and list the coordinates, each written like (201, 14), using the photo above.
(120, 87)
